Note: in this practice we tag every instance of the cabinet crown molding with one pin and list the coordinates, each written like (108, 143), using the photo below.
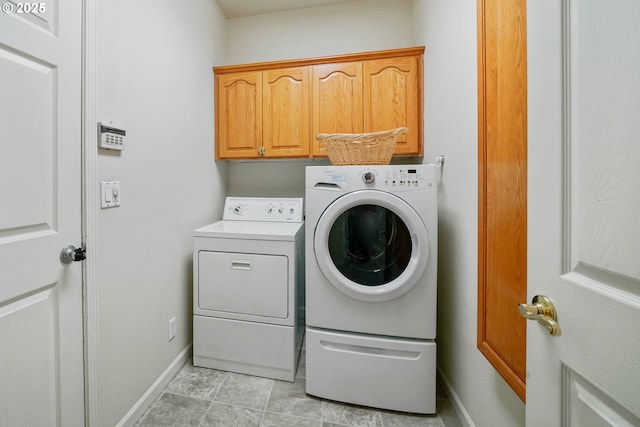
(358, 56)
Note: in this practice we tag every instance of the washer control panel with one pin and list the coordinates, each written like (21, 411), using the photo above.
(285, 209)
(380, 177)
(393, 177)
(374, 177)
(404, 178)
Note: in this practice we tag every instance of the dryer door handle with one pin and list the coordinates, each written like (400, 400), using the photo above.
(241, 265)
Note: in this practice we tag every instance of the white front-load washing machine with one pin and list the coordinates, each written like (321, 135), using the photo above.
(248, 294)
(371, 273)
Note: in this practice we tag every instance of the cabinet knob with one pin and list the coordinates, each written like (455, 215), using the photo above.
(261, 150)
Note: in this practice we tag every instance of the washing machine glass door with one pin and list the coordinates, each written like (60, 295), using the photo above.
(371, 245)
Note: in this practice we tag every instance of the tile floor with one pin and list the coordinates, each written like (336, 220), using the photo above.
(202, 397)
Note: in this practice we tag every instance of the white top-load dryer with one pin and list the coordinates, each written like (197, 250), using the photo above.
(248, 296)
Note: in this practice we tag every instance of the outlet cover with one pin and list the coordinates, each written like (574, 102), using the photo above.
(172, 328)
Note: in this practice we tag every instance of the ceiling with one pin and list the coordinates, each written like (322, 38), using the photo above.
(240, 8)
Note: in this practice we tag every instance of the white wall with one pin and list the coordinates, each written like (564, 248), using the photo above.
(327, 30)
(448, 29)
(154, 77)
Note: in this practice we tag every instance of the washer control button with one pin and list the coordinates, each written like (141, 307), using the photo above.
(368, 177)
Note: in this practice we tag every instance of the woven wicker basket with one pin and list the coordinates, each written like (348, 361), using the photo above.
(374, 148)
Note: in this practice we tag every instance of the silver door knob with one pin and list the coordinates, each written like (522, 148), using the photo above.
(70, 253)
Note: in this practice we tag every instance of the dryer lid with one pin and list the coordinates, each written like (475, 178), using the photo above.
(252, 230)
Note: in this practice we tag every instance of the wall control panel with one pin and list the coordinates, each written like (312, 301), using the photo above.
(111, 136)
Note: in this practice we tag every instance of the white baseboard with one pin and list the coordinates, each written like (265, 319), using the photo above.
(156, 388)
(455, 401)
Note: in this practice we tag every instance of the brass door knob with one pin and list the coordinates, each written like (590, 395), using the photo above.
(542, 310)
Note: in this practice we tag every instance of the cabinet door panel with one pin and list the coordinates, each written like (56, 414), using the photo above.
(392, 98)
(336, 100)
(286, 112)
(239, 115)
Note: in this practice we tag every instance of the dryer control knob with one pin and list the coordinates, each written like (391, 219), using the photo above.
(368, 177)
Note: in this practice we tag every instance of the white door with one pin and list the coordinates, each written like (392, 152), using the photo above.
(584, 211)
(41, 348)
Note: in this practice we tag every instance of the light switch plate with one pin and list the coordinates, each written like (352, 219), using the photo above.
(109, 194)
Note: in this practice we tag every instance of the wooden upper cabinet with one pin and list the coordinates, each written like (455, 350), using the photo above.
(239, 115)
(263, 114)
(336, 100)
(286, 112)
(276, 109)
(392, 98)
